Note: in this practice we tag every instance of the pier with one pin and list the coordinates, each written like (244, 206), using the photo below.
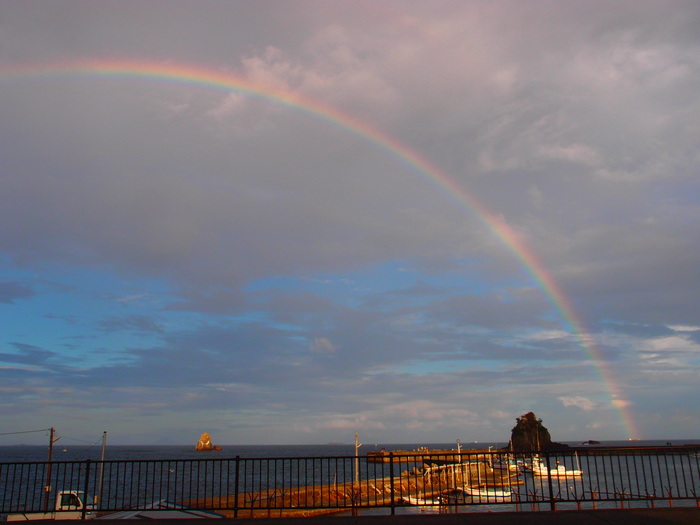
(431, 482)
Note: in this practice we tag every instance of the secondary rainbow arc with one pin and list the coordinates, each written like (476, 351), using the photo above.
(229, 82)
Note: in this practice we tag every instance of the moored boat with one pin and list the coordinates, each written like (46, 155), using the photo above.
(421, 502)
(488, 494)
(539, 468)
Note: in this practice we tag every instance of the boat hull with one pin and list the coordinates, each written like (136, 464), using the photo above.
(485, 495)
(559, 472)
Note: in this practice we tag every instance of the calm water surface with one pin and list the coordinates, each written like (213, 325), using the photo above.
(63, 451)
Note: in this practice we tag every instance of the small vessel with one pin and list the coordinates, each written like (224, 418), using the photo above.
(560, 471)
(421, 502)
(488, 494)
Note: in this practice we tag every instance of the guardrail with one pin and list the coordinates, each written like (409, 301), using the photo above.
(450, 482)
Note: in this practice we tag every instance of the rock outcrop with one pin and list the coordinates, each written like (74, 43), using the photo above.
(205, 445)
(530, 434)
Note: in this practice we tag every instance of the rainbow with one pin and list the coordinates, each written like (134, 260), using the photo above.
(211, 79)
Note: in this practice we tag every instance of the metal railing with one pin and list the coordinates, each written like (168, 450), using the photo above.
(448, 482)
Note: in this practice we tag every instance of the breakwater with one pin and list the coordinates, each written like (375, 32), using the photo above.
(455, 455)
(437, 486)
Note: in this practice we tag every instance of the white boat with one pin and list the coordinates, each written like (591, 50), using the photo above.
(420, 502)
(539, 468)
(559, 472)
(488, 494)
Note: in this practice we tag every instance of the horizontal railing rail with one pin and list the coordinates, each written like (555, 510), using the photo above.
(441, 482)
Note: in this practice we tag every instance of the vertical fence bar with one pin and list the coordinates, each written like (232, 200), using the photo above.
(550, 485)
(693, 488)
(86, 489)
(236, 478)
(391, 483)
(131, 481)
(650, 467)
(668, 480)
(679, 466)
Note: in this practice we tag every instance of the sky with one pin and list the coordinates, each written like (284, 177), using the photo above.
(285, 222)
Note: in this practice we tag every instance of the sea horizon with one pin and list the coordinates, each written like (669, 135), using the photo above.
(77, 452)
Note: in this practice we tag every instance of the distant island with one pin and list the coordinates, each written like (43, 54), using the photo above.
(205, 445)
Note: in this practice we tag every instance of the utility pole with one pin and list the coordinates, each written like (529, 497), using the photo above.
(47, 486)
(357, 461)
(98, 496)
(356, 491)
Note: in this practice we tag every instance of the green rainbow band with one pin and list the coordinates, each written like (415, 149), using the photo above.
(225, 81)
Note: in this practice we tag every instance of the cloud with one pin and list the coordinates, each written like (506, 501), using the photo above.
(132, 322)
(322, 345)
(621, 403)
(235, 258)
(132, 298)
(28, 354)
(11, 291)
(685, 328)
(672, 344)
(578, 401)
(576, 153)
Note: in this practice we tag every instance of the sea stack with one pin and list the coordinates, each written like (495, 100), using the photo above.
(204, 444)
(530, 434)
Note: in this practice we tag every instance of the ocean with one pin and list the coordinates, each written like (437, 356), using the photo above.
(77, 452)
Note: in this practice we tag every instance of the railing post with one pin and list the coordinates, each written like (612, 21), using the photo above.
(552, 503)
(391, 481)
(235, 490)
(86, 486)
